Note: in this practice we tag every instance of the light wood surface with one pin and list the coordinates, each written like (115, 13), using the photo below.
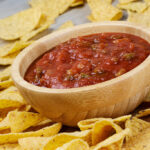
(112, 98)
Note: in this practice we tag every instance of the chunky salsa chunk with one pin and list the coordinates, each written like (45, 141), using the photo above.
(88, 60)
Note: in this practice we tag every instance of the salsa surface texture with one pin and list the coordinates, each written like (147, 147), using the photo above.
(87, 60)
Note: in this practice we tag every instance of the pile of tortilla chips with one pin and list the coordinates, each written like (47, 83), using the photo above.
(21, 127)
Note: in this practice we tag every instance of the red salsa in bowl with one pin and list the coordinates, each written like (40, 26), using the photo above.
(88, 60)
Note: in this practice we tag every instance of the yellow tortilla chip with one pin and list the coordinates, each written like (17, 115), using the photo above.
(5, 74)
(13, 47)
(67, 24)
(140, 18)
(114, 142)
(126, 1)
(75, 145)
(89, 123)
(11, 99)
(104, 129)
(9, 147)
(62, 138)
(103, 11)
(136, 6)
(77, 3)
(45, 132)
(6, 83)
(15, 26)
(19, 121)
(8, 60)
(33, 33)
(136, 126)
(139, 137)
(143, 113)
(46, 143)
(122, 119)
(4, 124)
(33, 143)
(10, 89)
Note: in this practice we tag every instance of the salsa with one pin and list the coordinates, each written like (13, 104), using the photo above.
(88, 60)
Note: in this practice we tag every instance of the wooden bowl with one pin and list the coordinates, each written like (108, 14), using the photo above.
(112, 98)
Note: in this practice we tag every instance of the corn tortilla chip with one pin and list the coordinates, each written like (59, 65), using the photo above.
(33, 143)
(136, 126)
(33, 33)
(11, 99)
(77, 3)
(19, 121)
(143, 113)
(8, 60)
(15, 26)
(6, 83)
(103, 11)
(67, 24)
(62, 138)
(139, 137)
(104, 129)
(140, 18)
(45, 132)
(126, 1)
(10, 89)
(89, 123)
(136, 6)
(114, 142)
(4, 124)
(5, 74)
(75, 145)
(9, 147)
(14, 47)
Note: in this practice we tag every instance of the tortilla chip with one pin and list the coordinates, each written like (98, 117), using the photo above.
(11, 99)
(103, 11)
(136, 126)
(62, 138)
(5, 84)
(66, 25)
(10, 89)
(5, 74)
(136, 6)
(77, 3)
(140, 18)
(143, 113)
(126, 1)
(114, 142)
(15, 26)
(13, 47)
(75, 145)
(19, 121)
(104, 129)
(33, 143)
(4, 124)
(8, 60)
(139, 137)
(33, 33)
(89, 123)
(45, 132)
(9, 147)
(122, 119)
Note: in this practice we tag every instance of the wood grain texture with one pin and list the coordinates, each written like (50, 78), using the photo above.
(112, 98)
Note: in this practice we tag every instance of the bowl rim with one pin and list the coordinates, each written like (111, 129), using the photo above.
(17, 78)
